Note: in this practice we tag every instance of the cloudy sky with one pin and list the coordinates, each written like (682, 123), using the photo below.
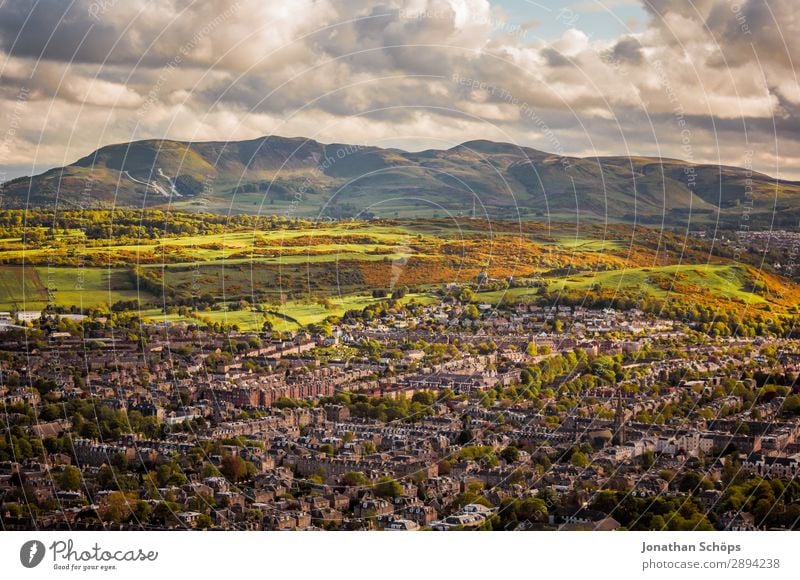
(706, 81)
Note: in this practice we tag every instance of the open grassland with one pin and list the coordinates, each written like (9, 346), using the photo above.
(726, 281)
(305, 313)
(368, 241)
(91, 287)
(291, 315)
(33, 288)
(301, 274)
(721, 285)
(21, 288)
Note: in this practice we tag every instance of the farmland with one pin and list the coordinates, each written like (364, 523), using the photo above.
(19, 285)
(34, 287)
(726, 286)
(292, 274)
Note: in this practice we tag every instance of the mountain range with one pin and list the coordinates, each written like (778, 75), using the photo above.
(304, 178)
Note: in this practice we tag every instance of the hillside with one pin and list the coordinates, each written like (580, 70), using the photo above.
(245, 270)
(301, 177)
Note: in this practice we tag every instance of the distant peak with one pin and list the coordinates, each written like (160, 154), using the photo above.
(486, 146)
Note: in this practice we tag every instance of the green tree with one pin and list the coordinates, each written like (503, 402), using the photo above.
(70, 478)
(578, 459)
(204, 522)
(510, 454)
(141, 511)
(388, 487)
(354, 479)
(531, 509)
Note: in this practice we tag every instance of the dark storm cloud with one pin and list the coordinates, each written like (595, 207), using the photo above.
(426, 70)
(60, 31)
(554, 58)
(627, 50)
(771, 29)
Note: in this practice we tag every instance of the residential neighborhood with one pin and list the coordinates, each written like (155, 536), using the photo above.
(413, 417)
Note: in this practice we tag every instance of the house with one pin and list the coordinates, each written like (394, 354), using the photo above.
(188, 519)
(736, 522)
(369, 508)
(28, 315)
(422, 514)
(402, 525)
(470, 516)
(767, 466)
(581, 518)
(326, 516)
(460, 520)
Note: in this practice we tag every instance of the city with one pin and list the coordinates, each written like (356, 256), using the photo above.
(528, 270)
(445, 416)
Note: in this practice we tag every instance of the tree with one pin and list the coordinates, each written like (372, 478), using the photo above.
(658, 523)
(120, 461)
(531, 509)
(791, 405)
(165, 511)
(692, 482)
(233, 467)
(141, 511)
(467, 295)
(354, 479)
(388, 487)
(70, 479)
(549, 496)
(424, 397)
(204, 522)
(116, 507)
(578, 459)
(400, 293)
(90, 431)
(465, 437)
(510, 454)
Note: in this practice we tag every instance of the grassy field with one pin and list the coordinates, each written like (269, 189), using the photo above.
(584, 244)
(311, 313)
(289, 316)
(710, 284)
(248, 244)
(21, 288)
(342, 262)
(723, 280)
(244, 319)
(33, 288)
(90, 287)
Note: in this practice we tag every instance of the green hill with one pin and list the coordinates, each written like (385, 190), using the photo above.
(304, 178)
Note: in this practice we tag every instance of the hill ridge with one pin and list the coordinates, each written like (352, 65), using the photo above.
(309, 178)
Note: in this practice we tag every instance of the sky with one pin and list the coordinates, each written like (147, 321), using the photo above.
(707, 81)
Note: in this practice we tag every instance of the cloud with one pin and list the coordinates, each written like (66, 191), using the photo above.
(627, 50)
(417, 72)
